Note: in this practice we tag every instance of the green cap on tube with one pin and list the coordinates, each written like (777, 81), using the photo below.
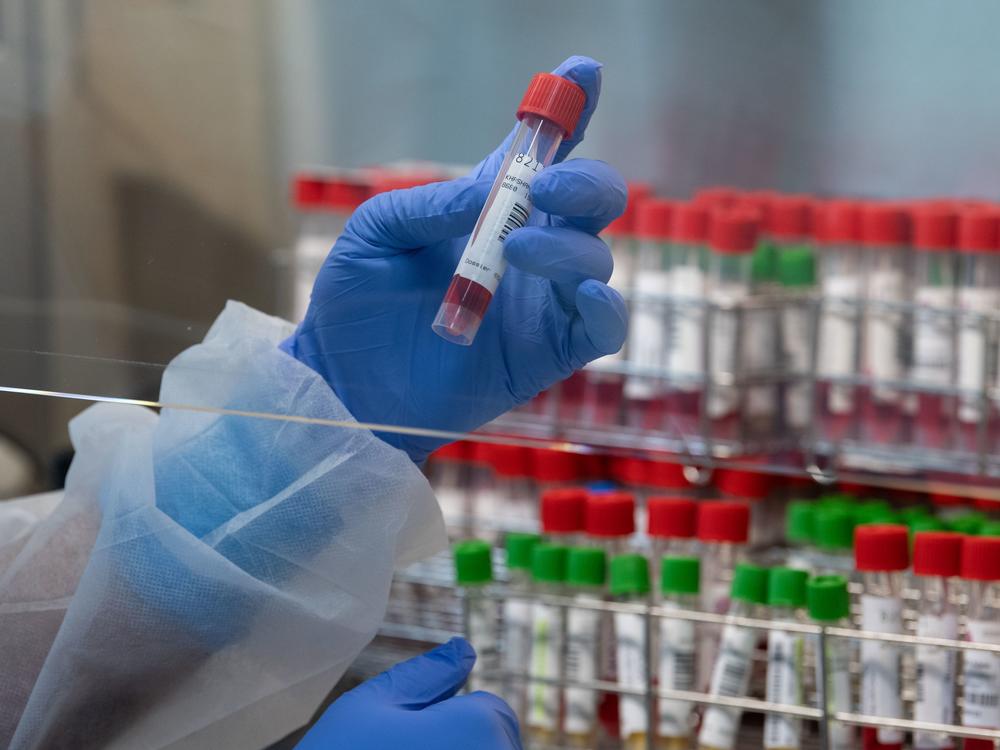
(548, 563)
(586, 566)
(629, 575)
(680, 575)
(473, 563)
(827, 598)
(750, 584)
(786, 587)
(835, 529)
(797, 267)
(925, 523)
(764, 263)
(800, 522)
(967, 523)
(519, 548)
(990, 528)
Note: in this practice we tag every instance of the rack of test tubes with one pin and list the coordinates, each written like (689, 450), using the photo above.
(621, 614)
(827, 337)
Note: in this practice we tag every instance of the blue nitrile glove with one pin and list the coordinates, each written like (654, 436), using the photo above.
(368, 332)
(414, 705)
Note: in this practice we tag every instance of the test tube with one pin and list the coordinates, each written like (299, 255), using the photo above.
(934, 340)
(980, 669)
(548, 113)
(680, 583)
(756, 489)
(474, 573)
(838, 235)
(835, 526)
(797, 274)
(447, 472)
(630, 582)
(548, 573)
(885, 232)
(671, 523)
(563, 514)
(830, 604)
(649, 324)
(610, 520)
(881, 554)
(731, 673)
(732, 238)
(516, 637)
(585, 577)
(800, 534)
(978, 296)
(689, 279)
(786, 597)
(937, 561)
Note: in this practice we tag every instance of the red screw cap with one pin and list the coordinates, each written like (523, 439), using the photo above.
(717, 197)
(733, 232)
(563, 510)
(723, 521)
(624, 224)
(881, 547)
(610, 514)
(790, 217)
(556, 466)
(652, 219)
(750, 485)
(981, 558)
(979, 230)
(937, 553)
(935, 227)
(460, 450)
(884, 225)
(507, 460)
(838, 223)
(628, 470)
(666, 475)
(690, 224)
(671, 517)
(555, 99)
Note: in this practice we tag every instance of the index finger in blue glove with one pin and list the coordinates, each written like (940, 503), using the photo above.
(582, 193)
(565, 256)
(583, 71)
(428, 678)
(481, 709)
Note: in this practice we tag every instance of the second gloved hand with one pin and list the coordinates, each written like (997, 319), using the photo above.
(368, 328)
(414, 705)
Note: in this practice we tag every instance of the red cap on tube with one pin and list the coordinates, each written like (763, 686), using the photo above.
(628, 470)
(555, 466)
(790, 217)
(555, 99)
(937, 553)
(733, 232)
(751, 485)
(979, 230)
(508, 460)
(610, 514)
(884, 225)
(460, 450)
(881, 547)
(943, 499)
(563, 510)
(666, 475)
(935, 227)
(981, 558)
(671, 517)
(690, 224)
(625, 224)
(717, 197)
(723, 521)
(652, 218)
(837, 223)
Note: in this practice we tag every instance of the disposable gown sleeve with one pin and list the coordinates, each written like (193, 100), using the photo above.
(208, 576)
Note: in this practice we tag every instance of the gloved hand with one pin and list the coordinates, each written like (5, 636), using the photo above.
(413, 705)
(367, 331)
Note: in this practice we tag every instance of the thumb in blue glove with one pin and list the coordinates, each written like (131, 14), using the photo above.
(368, 332)
(414, 705)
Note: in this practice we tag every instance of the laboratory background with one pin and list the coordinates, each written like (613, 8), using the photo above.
(772, 519)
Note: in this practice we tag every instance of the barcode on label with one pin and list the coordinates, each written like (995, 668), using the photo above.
(518, 218)
(733, 675)
(986, 700)
(683, 670)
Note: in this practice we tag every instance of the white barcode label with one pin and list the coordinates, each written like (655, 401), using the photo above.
(676, 672)
(880, 683)
(648, 330)
(581, 666)
(885, 346)
(516, 647)
(483, 260)
(972, 347)
(686, 354)
(935, 679)
(932, 355)
(838, 681)
(630, 638)
(982, 678)
(723, 355)
(730, 677)
(837, 339)
(483, 633)
(546, 661)
(784, 685)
